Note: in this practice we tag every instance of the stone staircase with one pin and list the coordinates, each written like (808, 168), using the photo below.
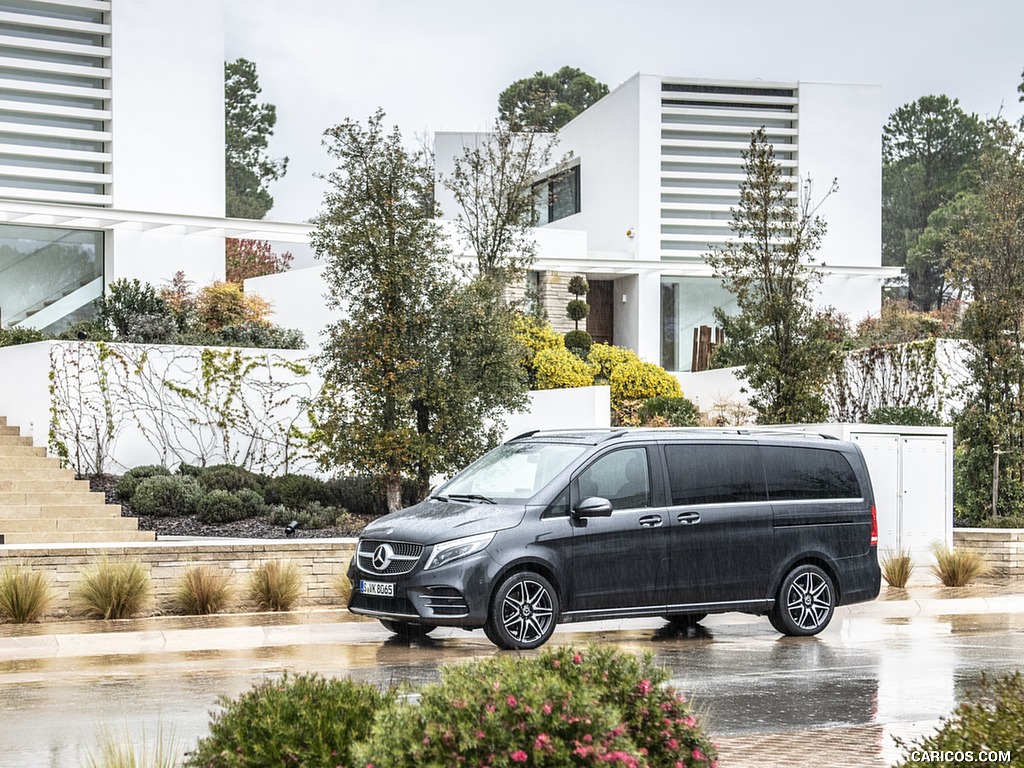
(41, 503)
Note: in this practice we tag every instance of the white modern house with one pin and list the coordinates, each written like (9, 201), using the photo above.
(655, 169)
(111, 152)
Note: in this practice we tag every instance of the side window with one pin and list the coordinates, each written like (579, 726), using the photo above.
(560, 506)
(714, 474)
(808, 473)
(622, 477)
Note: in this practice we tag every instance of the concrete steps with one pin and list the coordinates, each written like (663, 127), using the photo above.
(42, 503)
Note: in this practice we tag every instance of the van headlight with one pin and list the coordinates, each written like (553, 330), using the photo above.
(448, 551)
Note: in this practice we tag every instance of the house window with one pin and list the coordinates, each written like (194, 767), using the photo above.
(557, 196)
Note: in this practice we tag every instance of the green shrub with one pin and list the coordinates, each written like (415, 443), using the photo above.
(125, 301)
(275, 586)
(958, 567)
(92, 331)
(10, 337)
(558, 368)
(202, 590)
(533, 335)
(1002, 521)
(167, 496)
(577, 310)
(905, 415)
(130, 480)
(304, 720)
(564, 707)
(579, 343)
(639, 380)
(219, 506)
(296, 491)
(671, 411)
(253, 504)
(24, 595)
(228, 477)
(112, 590)
(990, 719)
(315, 515)
(897, 568)
(259, 335)
(151, 328)
(362, 495)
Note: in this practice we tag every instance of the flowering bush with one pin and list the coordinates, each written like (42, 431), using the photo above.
(558, 368)
(565, 707)
(639, 380)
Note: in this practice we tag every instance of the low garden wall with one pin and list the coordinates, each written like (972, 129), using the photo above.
(1002, 548)
(320, 562)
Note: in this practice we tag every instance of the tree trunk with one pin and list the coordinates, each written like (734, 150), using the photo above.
(393, 493)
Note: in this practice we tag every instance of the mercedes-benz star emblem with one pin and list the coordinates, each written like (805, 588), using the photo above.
(382, 556)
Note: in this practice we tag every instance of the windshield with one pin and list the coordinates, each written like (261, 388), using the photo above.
(513, 472)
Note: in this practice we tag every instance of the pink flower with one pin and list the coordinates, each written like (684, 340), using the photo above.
(645, 687)
(577, 659)
(518, 756)
(690, 721)
(546, 709)
(480, 734)
(698, 755)
(556, 663)
(543, 743)
(511, 700)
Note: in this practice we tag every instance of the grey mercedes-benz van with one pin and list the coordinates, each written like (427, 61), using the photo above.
(568, 526)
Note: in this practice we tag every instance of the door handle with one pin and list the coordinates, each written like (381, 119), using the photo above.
(650, 521)
(689, 518)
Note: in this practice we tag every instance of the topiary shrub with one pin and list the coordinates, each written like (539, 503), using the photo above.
(669, 412)
(228, 477)
(130, 480)
(564, 707)
(296, 720)
(220, 506)
(989, 720)
(296, 491)
(579, 343)
(167, 496)
(558, 368)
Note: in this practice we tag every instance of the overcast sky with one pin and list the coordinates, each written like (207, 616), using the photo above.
(439, 66)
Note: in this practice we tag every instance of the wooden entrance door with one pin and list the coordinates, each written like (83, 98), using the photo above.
(601, 320)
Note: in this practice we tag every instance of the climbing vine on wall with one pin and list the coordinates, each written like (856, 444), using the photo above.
(922, 374)
(177, 404)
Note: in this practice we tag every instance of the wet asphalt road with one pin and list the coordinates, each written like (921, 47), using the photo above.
(899, 664)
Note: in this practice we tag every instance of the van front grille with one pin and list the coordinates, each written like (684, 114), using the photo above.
(388, 558)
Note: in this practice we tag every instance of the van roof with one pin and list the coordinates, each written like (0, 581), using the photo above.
(598, 435)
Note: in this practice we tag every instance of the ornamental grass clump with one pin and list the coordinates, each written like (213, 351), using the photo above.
(565, 707)
(24, 595)
(897, 568)
(958, 567)
(112, 590)
(275, 586)
(202, 590)
(120, 751)
(306, 720)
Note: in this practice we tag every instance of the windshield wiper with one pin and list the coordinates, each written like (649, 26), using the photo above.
(435, 497)
(472, 497)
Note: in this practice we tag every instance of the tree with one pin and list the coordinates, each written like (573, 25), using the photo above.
(987, 248)
(785, 347)
(545, 103)
(928, 150)
(252, 258)
(248, 126)
(492, 183)
(420, 371)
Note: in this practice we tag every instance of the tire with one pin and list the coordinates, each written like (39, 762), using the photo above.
(524, 611)
(805, 602)
(407, 630)
(685, 620)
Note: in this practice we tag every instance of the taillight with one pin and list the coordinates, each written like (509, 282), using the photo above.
(874, 526)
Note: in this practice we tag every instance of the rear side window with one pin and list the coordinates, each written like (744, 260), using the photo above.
(808, 473)
(714, 474)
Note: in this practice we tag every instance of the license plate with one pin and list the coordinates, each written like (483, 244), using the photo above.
(377, 588)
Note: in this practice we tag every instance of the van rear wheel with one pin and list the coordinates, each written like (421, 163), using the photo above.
(805, 602)
(523, 614)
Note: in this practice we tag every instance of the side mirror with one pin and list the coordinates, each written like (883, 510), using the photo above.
(593, 506)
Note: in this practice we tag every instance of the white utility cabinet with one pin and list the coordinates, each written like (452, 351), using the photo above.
(911, 472)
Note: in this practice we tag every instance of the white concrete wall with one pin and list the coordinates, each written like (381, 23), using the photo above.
(579, 408)
(298, 300)
(153, 256)
(24, 389)
(167, 101)
(840, 138)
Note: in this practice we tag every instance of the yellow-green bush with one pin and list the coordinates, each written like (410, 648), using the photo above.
(558, 368)
(224, 304)
(639, 380)
(605, 358)
(534, 335)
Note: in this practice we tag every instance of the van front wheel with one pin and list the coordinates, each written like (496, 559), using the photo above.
(805, 602)
(524, 611)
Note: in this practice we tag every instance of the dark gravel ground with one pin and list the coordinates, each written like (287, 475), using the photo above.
(188, 525)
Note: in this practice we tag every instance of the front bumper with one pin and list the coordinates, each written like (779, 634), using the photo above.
(455, 595)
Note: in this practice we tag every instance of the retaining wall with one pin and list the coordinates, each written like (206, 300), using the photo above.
(1003, 548)
(320, 561)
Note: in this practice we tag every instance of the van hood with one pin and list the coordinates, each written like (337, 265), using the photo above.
(433, 521)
